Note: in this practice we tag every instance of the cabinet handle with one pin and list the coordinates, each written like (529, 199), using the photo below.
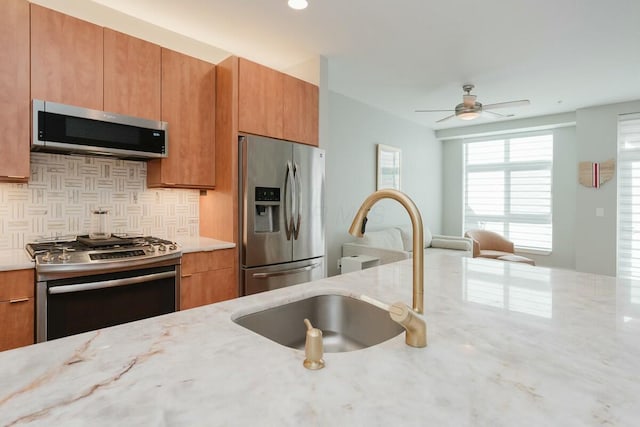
(14, 301)
(186, 275)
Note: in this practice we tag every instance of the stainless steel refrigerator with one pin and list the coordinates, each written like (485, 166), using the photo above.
(281, 187)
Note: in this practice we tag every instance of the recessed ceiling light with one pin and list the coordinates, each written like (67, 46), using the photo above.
(298, 4)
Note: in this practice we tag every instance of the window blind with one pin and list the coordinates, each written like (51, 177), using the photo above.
(507, 188)
(629, 196)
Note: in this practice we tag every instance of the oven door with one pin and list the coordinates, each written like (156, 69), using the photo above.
(80, 304)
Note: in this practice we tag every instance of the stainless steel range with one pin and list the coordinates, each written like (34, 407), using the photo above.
(86, 284)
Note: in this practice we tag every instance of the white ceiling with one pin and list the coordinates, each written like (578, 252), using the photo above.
(407, 54)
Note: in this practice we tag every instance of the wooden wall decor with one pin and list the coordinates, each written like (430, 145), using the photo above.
(595, 174)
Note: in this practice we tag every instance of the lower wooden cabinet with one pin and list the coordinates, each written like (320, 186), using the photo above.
(17, 309)
(207, 277)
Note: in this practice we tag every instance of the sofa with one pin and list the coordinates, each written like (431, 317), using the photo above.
(395, 243)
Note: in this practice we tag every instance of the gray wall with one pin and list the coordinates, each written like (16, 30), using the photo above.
(581, 239)
(564, 189)
(597, 135)
(355, 129)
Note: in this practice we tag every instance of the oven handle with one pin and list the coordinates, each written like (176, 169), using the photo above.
(65, 289)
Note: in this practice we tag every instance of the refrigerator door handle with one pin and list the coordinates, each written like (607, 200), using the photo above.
(285, 272)
(288, 195)
(298, 210)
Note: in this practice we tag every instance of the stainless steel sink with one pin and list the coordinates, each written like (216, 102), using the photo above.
(347, 323)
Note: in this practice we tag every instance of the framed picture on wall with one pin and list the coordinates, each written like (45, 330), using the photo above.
(388, 167)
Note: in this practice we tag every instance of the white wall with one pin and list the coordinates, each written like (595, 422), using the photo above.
(565, 184)
(597, 135)
(564, 189)
(355, 129)
(581, 239)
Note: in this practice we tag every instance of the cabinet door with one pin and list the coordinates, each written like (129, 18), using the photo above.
(131, 76)
(16, 309)
(66, 59)
(207, 277)
(188, 105)
(260, 97)
(300, 111)
(17, 318)
(14, 91)
(207, 288)
(197, 262)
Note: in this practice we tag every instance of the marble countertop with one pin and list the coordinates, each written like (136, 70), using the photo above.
(509, 345)
(202, 244)
(15, 259)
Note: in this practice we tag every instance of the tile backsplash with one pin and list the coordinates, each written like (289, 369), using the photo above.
(63, 190)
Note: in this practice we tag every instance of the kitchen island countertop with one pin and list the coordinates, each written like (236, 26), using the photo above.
(509, 345)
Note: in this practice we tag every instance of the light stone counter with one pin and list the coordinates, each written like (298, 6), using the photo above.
(509, 345)
(203, 244)
(15, 259)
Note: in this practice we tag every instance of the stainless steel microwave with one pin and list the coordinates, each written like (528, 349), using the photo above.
(61, 128)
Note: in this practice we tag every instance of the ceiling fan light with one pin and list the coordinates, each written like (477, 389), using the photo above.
(469, 115)
(298, 4)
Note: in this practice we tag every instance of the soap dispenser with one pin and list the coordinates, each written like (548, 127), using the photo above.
(313, 347)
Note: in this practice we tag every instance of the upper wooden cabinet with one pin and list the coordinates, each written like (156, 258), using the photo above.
(66, 59)
(131, 76)
(14, 91)
(78, 63)
(188, 105)
(260, 99)
(300, 111)
(274, 104)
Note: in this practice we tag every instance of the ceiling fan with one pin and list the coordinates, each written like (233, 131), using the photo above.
(470, 109)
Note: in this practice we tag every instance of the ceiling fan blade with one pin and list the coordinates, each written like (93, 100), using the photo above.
(445, 118)
(496, 114)
(432, 111)
(520, 103)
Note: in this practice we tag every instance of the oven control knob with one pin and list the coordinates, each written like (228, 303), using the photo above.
(64, 256)
(162, 248)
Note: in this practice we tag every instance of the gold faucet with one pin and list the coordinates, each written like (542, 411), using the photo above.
(415, 326)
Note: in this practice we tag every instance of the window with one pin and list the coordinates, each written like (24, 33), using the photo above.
(507, 185)
(629, 196)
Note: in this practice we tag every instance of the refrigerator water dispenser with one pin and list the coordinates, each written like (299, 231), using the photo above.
(267, 210)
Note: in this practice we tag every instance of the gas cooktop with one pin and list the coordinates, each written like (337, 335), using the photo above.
(84, 250)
